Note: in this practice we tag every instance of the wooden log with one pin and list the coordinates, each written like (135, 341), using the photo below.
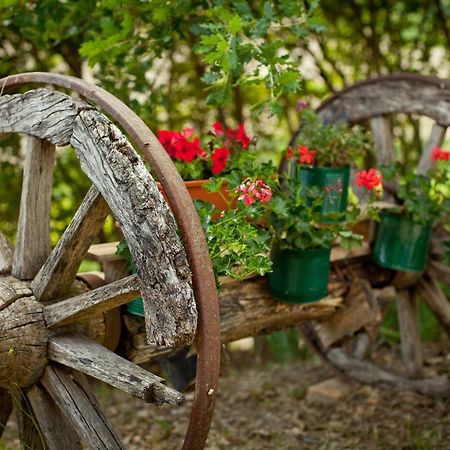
(72, 394)
(33, 233)
(23, 343)
(148, 226)
(6, 255)
(12, 289)
(384, 142)
(369, 373)
(59, 270)
(6, 405)
(83, 354)
(437, 301)
(246, 309)
(411, 345)
(58, 433)
(92, 303)
(42, 113)
(436, 139)
(30, 434)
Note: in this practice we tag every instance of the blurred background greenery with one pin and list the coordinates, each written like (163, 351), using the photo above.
(190, 62)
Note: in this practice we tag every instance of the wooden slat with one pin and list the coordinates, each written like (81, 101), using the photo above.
(72, 394)
(92, 303)
(33, 234)
(30, 435)
(411, 345)
(85, 355)
(436, 139)
(6, 255)
(58, 433)
(384, 142)
(60, 269)
(437, 301)
(440, 271)
(6, 405)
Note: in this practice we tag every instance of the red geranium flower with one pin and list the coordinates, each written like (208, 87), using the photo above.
(168, 140)
(370, 179)
(241, 136)
(217, 129)
(219, 160)
(289, 153)
(178, 145)
(306, 155)
(439, 154)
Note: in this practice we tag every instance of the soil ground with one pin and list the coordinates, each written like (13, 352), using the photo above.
(264, 405)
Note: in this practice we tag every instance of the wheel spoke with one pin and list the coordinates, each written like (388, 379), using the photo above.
(58, 433)
(439, 271)
(74, 397)
(59, 270)
(6, 405)
(30, 435)
(436, 139)
(5, 255)
(92, 303)
(33, 234)
(85, 355)
(384, 142)
(409, 333)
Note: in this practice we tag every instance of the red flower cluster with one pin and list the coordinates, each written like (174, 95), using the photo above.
(306, 156)
(370, 179)
(178, 145)
(219, 160)
(439, 154)
(232, 136)
(250, 191)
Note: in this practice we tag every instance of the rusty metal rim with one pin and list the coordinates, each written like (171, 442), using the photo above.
(208, 331)
(401, 76)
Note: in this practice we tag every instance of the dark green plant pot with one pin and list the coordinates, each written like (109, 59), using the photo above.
(401, 244)
(300, 276)
(334, 179)
(136, 307)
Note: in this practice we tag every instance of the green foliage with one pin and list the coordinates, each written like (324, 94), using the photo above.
(335, 144)
(284, 345)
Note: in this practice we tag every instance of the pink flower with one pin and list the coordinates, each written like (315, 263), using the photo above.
(250, 191)
(301, 105)
(219, 160)
(439, 154)
(306, 155)
(217, 129)
(370, 179)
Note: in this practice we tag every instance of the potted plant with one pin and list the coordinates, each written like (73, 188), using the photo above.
(403, 235)
(302, 242)
(325, 153)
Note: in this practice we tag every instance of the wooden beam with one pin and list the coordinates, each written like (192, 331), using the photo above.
(6, 255)
(72, 394)
(411, 345)
(384, 141)
(60, 269)
(33, 234)
(58, 433)
(436, 139)
(85, 355)
(92, 303)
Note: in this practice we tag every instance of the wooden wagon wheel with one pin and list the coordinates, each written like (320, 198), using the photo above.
(48, 324)
(374, 101)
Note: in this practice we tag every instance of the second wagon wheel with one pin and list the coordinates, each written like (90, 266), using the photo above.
(47, 323)
(376, 101)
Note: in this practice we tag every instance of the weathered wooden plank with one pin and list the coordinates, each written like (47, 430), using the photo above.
(42, 113)
(403, 93)
(383, 139)
(33, 233)
(58, 433)
(6, 254)
(148, 226)
(59, 270)
(411, 345)
(6, 405)
(71, 392)
(436, 301)
(436, 139)
(30, 434)
(85, 355)
(92, 303)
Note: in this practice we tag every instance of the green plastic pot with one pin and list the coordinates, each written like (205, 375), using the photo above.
(299, 276)
(335, 179)
(401, 244)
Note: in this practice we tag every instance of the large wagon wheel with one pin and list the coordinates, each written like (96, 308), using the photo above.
(374, 101)
(48, 325)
